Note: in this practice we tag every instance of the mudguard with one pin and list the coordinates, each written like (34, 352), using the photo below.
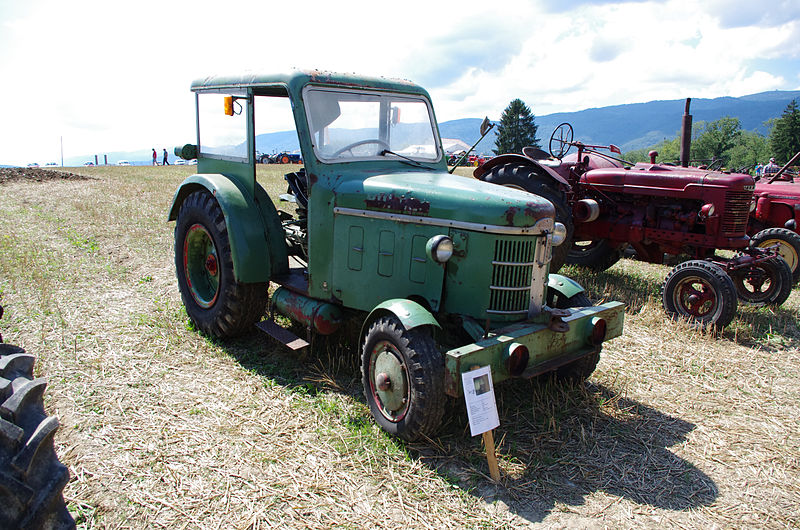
(482, 170)
(410, 314)
(565, 287)
(254, 233)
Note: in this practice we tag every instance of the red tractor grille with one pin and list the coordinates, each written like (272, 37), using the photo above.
(511, 276)
(737, 210)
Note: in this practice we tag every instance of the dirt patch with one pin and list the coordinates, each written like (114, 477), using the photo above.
(12, 174)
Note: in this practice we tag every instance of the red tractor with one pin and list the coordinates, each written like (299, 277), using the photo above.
(777, 214)
(608, 205)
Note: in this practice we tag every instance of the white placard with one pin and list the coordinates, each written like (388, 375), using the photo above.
(479, 395)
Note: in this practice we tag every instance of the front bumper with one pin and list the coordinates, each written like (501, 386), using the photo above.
(548, 349)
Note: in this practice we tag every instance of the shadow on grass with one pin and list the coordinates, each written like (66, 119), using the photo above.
(557, 443)
(614, 284)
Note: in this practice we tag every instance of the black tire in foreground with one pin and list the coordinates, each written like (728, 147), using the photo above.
(701, 292)
(526, 178)
(765, 283)
(32, 479)
(403, 375)
(215, 301)
(788, 243)
(579, 370)
(595, 255)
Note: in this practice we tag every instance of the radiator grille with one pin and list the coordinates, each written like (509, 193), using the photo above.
(511, 276)
(737, 210)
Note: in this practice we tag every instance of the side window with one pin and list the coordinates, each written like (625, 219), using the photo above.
(222, 136)
(275, 129)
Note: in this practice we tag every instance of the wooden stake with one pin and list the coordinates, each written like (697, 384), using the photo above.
(491, 457)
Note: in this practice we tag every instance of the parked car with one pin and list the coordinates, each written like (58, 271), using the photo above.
(123, 163)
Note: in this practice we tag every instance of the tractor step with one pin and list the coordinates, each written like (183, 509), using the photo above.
(282, 335)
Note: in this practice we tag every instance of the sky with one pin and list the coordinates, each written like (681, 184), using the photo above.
(102, 76)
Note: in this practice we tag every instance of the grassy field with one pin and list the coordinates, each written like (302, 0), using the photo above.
(163, 428)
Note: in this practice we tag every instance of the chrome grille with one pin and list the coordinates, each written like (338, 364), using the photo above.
(737, 210)
(511, 276)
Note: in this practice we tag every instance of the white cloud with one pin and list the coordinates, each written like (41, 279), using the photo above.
(110, 76)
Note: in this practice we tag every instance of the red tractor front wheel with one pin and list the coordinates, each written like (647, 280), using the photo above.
(700, 292)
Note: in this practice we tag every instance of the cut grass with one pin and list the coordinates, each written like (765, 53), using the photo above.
(162, 427)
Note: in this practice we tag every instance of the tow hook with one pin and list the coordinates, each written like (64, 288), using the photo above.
(556, 323)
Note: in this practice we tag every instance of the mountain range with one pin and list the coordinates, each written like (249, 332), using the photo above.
(631, 126)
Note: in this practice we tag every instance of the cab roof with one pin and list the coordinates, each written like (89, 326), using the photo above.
(280, 84)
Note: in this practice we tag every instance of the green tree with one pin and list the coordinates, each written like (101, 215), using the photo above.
(715, 140)
(784, 138)
(668, 151)
(516, 129)
(750, 149)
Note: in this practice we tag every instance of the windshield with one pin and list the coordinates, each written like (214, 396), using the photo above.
(349, 125)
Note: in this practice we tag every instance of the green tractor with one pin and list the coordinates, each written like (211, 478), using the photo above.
(445, 273)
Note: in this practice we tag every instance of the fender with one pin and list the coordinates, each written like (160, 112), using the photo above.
(480, 171)
(565, 287)
(253, 225)
(408, 312)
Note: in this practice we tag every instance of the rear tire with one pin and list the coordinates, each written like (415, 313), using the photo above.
(700, 292)
(32, 479)
(789, 246)
(595, 255)
(526, 178)
(217, 304)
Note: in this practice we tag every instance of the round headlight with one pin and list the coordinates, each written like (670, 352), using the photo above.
(559, 234)
(440, 248)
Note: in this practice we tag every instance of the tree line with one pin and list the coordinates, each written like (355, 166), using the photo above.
(724, 143)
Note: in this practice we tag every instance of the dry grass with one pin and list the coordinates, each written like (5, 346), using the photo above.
(164, 428)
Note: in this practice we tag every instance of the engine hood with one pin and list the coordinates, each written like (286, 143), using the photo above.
(789, 190)
(444, 197)
(674, 178)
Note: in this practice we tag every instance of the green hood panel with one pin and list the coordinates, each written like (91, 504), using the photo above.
(443, 196)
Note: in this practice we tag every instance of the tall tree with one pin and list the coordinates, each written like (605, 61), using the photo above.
(516, 129)
(784, 138)
(716, 139)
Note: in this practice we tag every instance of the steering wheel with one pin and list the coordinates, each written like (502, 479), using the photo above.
(350, 147)
(561, 141)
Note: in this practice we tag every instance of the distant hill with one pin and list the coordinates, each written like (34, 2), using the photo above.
(639, 125)
(632, 126)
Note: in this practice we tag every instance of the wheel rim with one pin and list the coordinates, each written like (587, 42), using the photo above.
(756, 284)
(388, 379)
(695, 297)
(201, 266)
(785, 250)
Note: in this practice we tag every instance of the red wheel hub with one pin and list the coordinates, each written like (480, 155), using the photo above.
(211, 264)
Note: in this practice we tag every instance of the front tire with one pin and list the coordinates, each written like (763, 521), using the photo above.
(766, 283)
(526, 178)
(403, 376)
(788, 246)
(215, 301)
(700, 292)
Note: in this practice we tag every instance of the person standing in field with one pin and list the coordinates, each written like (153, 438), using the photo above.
(155, 157)
(166, 158)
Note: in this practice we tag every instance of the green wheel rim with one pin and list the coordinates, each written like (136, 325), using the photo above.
(201, 266)
(389, 381)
